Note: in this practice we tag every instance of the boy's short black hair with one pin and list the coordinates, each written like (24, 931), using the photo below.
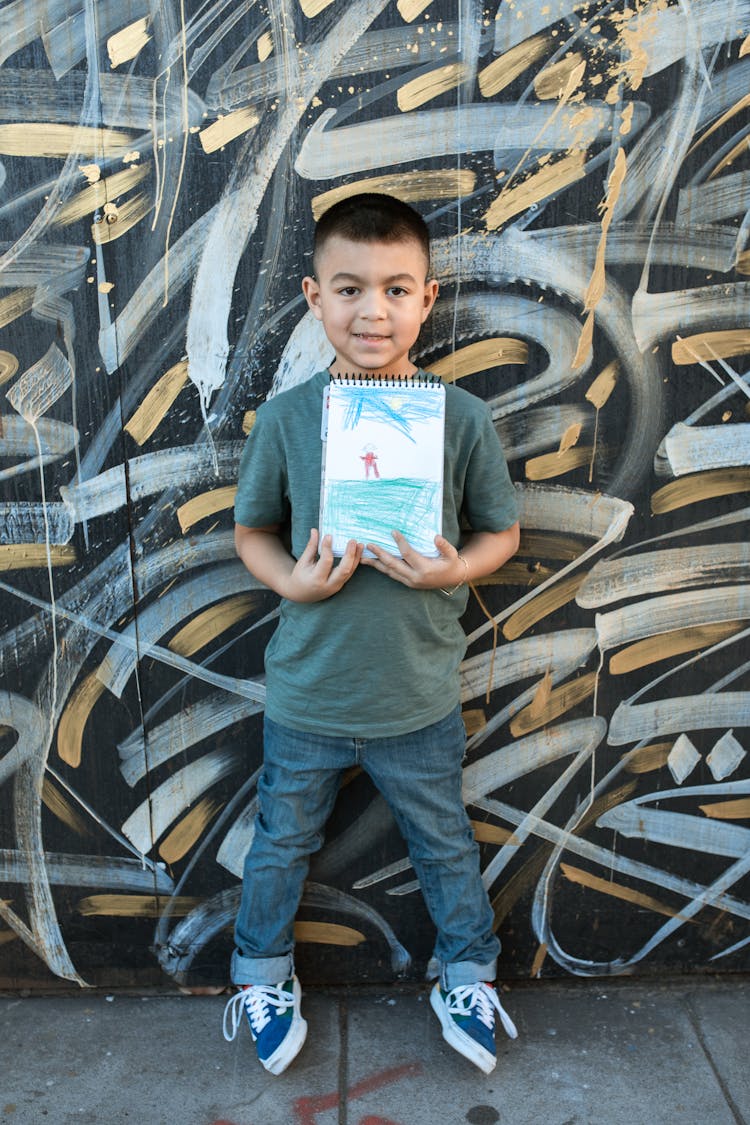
(372, 217)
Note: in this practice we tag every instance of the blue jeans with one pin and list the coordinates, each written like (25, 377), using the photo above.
(419, 774)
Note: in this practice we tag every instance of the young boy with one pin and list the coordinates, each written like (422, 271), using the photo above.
(363, 668)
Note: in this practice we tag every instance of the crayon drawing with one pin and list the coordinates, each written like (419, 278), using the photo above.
(384, 465)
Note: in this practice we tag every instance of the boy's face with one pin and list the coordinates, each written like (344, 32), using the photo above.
(372, 298)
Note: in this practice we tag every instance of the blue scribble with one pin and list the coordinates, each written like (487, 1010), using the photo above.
(399, 408)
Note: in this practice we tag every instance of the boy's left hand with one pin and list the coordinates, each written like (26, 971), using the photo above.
(415, 570)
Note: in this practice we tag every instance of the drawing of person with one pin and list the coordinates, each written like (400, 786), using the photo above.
(370, 458)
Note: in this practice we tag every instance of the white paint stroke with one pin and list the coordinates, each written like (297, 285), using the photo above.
(41, 385)
(682, 759)
(713, 201)
(539, 428)
(509, 30)
(726, 756)
(25, 718)
(701, 834)
(237, 212)
(28, 522)
(197, 721)
(75, 870)
(65, 43)
(672, 36)
(659, 316)
(19, 439)
(592, 515)
(634, 722)
(693, 449)
(703, 247)
(632, 576)
(328, 152)
(237, 841)
(151, 819)
(181, 602)
(307, 351)
(671, 611)
(527, 658)
(118, 338)
(176, 467)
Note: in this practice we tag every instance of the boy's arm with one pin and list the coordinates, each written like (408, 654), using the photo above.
(311, 578)
(483, 553)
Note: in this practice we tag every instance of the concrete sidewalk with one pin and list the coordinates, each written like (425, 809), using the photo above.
(589, 1053)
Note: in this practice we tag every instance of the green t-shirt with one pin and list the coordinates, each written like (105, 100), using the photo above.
(377, 658)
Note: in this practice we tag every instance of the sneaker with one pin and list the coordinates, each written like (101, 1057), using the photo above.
(276, 1023)
(467, 1016)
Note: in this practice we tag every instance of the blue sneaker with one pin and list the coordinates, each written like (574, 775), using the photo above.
(276, 1023)
(467, 1016)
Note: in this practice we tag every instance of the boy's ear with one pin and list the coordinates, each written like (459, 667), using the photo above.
(311, 290)
(430, 294)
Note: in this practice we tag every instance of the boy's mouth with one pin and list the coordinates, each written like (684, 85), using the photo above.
(369, 336)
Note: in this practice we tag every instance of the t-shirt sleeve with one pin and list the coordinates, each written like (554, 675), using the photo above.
(489, 495)
(262, 493)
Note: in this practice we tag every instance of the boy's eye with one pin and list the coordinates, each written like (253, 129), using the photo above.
(397, 291)
(348, 291)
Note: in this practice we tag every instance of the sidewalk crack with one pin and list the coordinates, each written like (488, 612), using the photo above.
(695, 1023)
(344, 1062)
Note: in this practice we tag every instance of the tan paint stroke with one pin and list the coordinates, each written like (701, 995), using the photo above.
(678, 641)
(312, 8)
(517, 574)
(637, 28)
(553, 80)
(561, 699)
(248, 421)
(126, 44)
(182, 837)
(206, 504)
(58, 141)
(541, 696)
(616, 890)
(647, 759)
(442, 183)
(74, 719)
(699, 486)
(431, 85)
(597, 284)
(550, 465)
(135, 906)
(548, 179)
(519, 884)
(104, 191)
(7, 935)
(26, 556)
(53, 799)
(481, 356)
(547, 545)
(118, 222)
(474, 720)
(410, 9)
(570, 437)
(539, 958)
(91, 172)
(603, 385)
(507, 67)
(157, 403)
(705, 346)
(327, 933)
(726, 162)
(226, 129)
(490, 833)
(728, 810)
(626, 122)
(211, 623)
(742, 265)
(8, 366)
(15, 305)
(738, 107)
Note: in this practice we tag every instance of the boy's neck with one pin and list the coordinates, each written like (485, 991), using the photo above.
(407, 373)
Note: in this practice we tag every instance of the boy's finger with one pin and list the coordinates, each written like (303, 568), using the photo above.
(311, 547)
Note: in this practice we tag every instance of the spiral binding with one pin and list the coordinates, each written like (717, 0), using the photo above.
(424, 379)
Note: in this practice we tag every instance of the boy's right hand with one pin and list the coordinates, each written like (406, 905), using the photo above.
(314, 577)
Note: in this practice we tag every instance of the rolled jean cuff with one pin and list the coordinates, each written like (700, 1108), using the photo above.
(261, 970)
(457, 973)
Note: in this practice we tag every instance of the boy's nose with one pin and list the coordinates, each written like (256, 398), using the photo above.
(373, 306)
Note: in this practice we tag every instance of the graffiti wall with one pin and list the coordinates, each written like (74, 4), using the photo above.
(585, 174)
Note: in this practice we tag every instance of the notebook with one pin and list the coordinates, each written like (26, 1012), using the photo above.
(383, 462)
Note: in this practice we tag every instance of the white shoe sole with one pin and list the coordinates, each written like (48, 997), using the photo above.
(458, 1039)
(287, 1051)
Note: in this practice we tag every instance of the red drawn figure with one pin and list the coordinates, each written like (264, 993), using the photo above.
(370, 458)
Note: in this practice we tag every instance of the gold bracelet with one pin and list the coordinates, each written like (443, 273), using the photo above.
(463, 581)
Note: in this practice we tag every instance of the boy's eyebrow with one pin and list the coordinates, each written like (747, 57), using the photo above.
(343, 276)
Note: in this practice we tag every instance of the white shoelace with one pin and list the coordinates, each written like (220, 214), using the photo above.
(461, 1000)
(257, 1001)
